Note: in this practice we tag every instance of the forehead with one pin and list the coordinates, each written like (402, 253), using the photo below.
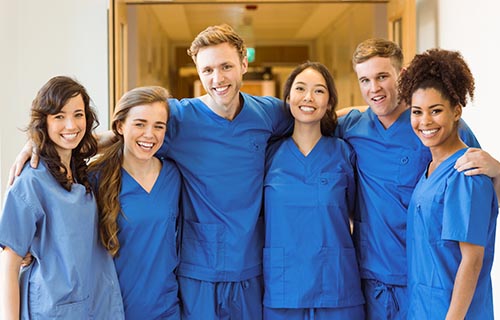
(427, 96)
(374, 66)
(155, 111)
(216, 55)
(74, 103)
(310, 76)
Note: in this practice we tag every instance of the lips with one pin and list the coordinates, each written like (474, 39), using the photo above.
(429, 132)
(307, 108)
(221, 90)
(378, 98)
(69, 136)
(145, 145)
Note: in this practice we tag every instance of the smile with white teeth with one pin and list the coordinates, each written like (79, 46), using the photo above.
(221, 89)
(145, 145)
(429, 132)
(69, 136)
(378, 98)
(307, 109)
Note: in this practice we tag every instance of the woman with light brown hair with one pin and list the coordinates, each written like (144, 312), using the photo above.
(138, 197)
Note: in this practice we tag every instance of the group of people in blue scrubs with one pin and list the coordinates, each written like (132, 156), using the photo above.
(265, 234)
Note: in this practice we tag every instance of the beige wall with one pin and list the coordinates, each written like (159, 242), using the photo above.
(148, 49)
(357, 23)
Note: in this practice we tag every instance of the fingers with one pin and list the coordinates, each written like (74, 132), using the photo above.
(12, 174)
(34, 158)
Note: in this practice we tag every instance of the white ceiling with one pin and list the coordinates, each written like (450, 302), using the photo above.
(293, 21)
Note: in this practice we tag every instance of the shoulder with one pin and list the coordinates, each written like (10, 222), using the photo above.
(169, 167)
(340, 148)
(351, 119)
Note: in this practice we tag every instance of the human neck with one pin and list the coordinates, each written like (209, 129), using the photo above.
(390, 119)
(145, 172)
(306, 137)
(443, 152)
(229, 111)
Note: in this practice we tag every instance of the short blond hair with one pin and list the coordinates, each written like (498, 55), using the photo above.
(378, 47)
(215, 35)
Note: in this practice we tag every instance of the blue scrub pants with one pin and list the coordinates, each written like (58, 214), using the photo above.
(221, 300)
(351, 313)
(384, 301)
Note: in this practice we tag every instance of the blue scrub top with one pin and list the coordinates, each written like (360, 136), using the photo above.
(71, 276)
(447, 208)
(309, 256)
(147, 257)
(389, 163)
(222, 165)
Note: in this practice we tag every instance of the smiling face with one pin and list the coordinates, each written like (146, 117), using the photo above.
(309, 98)
(434, 120)
(143, 131)
(67, 128)
(221, 73)
(378, 84)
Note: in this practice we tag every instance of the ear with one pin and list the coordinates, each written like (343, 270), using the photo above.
(244, 65)
(458, 112)
(119, 127)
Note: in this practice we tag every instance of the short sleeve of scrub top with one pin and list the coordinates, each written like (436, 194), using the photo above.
(467, 208)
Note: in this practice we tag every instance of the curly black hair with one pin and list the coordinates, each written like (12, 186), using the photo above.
(443, 70)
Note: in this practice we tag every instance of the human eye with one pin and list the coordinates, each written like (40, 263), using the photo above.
(206, 71)
(160, 126)
(436, 111)
(320, 91)
(227, 67)
(139, 124)
(299, 88)
(58, 116)
(363, 81)
(416, 112)
(80, 115)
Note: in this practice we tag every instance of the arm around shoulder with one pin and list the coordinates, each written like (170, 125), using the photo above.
(476, 161)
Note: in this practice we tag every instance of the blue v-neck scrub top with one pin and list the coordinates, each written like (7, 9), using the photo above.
(309, 256)
(147, 257)
(447, 208)
(389, 163)
(222, 166)
(72, 276)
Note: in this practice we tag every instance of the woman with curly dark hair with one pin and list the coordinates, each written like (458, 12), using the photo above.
(51, 214)
(451, 216)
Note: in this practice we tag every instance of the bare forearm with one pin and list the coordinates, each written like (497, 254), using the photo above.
(464, 287)
(9, 285)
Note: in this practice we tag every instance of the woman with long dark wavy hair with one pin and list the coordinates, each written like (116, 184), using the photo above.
(50, 213)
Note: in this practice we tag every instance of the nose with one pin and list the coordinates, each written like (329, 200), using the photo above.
(70, 123)
(426, 119)
(308, 96)
(374, 86)
(218, 76)
(148, 131)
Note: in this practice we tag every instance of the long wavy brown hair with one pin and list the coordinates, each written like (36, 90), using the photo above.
(107, 168)
(50, 99)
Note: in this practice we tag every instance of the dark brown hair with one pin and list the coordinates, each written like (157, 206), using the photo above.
(329, 120)
(51, 98)
(443, 70)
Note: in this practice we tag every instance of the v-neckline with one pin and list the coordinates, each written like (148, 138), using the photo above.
(153, 187)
